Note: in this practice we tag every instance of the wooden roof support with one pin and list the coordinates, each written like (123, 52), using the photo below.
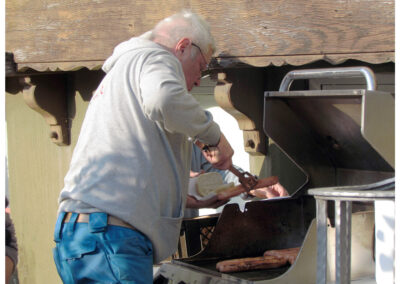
(48, 96)
(240, 92)
(11, 66)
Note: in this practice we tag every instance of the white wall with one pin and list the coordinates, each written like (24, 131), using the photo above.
(229, 126)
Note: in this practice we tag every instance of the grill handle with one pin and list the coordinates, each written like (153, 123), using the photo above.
(344, 72)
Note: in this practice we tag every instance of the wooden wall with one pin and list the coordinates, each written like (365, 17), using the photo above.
(37, 167)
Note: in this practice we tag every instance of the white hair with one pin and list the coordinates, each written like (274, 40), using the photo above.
(185, 24)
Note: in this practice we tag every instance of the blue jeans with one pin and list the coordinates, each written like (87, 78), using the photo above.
(95, 252)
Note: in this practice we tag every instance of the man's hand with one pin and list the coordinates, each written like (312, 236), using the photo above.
(212, 202)
(196, 174)
(275, 190)
(9, 269)
(220, 157)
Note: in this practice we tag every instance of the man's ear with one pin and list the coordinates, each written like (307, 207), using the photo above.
(182, 44)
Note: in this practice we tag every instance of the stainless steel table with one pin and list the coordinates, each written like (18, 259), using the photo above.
(343, 198)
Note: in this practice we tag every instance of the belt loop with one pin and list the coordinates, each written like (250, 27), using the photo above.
(97, 222)
(57, 229)
(71, 224)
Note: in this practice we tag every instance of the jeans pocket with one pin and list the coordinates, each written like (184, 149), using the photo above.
(132, 268)
(126, 241)
(132, 257)
(85, 261)
(62, 270)
(76, 249)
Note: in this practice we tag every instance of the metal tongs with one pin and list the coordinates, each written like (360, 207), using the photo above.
(245, 178)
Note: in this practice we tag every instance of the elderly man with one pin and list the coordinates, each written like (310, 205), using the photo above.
(124, 195)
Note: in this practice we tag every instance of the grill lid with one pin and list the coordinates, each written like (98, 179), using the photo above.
(328, 134)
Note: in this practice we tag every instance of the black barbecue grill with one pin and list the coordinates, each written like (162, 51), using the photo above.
(335, 139)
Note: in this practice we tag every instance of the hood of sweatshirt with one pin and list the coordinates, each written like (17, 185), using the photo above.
(126, 46)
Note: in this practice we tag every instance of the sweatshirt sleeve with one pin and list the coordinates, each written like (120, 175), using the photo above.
(167, 101)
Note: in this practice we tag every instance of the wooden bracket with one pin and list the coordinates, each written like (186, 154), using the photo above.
(47, 94)
(11, 66)
(240, 92)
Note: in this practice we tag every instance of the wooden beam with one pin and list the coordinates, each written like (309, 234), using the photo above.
(55, 32)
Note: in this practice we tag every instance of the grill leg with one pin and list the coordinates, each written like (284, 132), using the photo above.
(321, 240)
(343, 241)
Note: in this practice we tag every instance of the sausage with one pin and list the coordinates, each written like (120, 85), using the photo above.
(250, 263)
(271, 259)
(234, 191)
(289, 254)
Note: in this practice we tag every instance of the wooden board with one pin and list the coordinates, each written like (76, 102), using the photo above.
(70, 34)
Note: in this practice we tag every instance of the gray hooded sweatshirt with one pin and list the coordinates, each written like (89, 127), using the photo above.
(132, 158)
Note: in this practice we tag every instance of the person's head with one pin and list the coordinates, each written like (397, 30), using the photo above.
(188, 36)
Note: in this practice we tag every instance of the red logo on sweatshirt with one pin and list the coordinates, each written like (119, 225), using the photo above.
(98, 92)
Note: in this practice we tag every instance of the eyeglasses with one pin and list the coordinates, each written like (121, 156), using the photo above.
(202, 54)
